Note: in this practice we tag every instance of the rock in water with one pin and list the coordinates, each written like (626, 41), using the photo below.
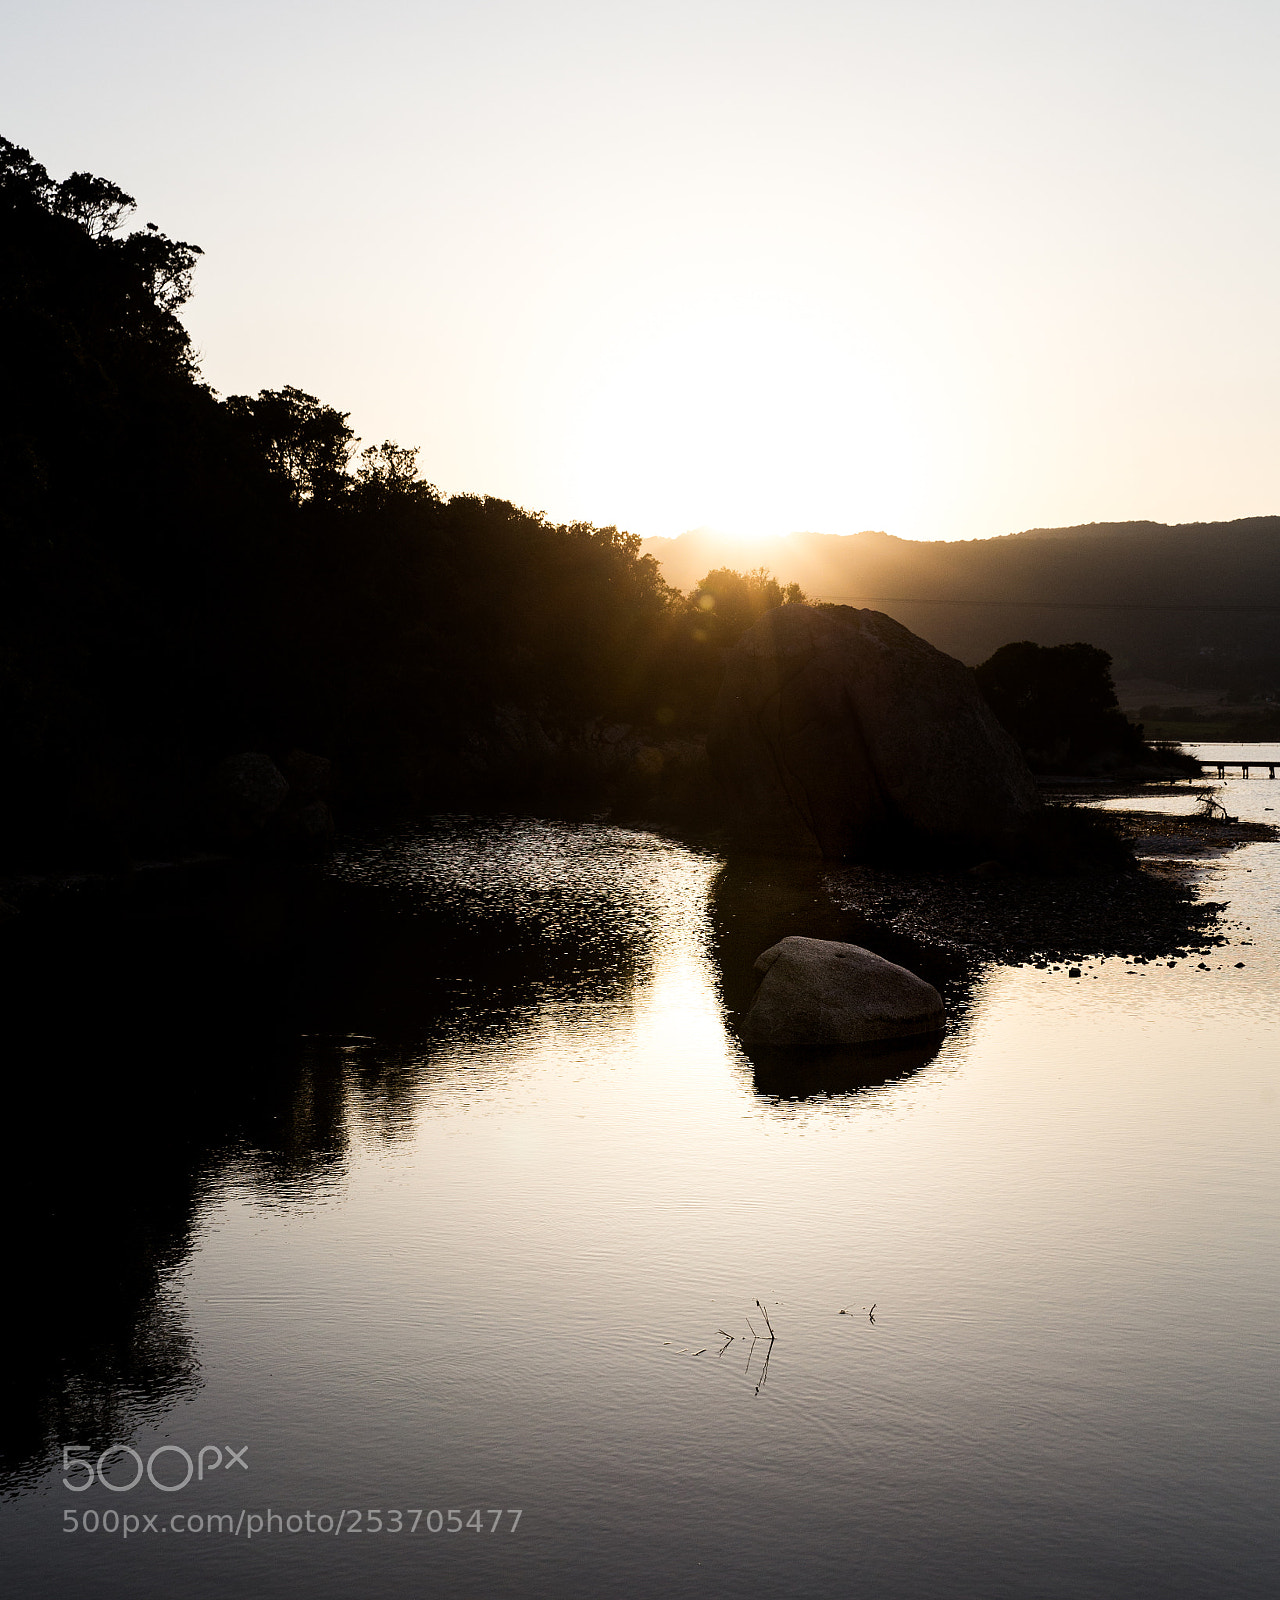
(819, 992)
(833, 725)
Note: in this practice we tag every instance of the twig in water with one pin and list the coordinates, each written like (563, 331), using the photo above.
(764, 1370)
(767, 1323)
(751, 1349)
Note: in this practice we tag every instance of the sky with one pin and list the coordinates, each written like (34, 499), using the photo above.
(949, 268)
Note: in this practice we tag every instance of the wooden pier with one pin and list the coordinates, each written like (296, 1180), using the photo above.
(1243, 765)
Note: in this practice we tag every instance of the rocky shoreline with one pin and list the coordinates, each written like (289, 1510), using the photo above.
(938, 919)
(1155, 913)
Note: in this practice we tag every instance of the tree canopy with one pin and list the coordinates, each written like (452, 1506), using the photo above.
(1059, 703)
(184, 575)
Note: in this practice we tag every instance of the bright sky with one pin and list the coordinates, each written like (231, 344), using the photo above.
(944, 267)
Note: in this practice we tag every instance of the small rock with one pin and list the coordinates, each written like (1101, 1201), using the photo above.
(820, 992)
(1074, 973)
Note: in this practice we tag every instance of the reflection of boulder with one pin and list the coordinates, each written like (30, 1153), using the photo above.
(835, 725)
(800, 1074)
(820, 992)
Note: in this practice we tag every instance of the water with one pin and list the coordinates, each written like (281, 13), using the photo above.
(1235, 752)
(472, 1246)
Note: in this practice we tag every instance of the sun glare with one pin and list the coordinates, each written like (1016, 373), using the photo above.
(755, 420)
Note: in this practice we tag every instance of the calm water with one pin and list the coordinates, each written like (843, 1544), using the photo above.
(476, 1251)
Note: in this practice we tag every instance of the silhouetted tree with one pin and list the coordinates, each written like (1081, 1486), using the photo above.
(1059, 703)
(307, 442)
(704, 625)
(726, 603)
(128, 507)
(183, 577)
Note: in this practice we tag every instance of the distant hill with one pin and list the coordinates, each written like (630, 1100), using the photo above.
(1192, 603)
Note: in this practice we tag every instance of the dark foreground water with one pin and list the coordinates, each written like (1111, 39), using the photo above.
(470, 1287)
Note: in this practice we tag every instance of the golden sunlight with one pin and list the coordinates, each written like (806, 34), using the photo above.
(751, 417)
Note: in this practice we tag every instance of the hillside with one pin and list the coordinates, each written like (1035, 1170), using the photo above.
(1191, 603)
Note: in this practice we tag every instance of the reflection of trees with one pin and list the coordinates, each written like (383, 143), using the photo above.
(95, 1345)
(156, 1048)
(109, 1186)
(757, 900)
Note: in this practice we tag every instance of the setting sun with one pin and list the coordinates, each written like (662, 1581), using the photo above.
(752, 416)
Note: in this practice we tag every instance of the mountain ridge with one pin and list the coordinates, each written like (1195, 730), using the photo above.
(1191, 602)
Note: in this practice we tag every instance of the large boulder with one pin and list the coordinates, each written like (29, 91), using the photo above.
(248, 790)
(255, 804)
(820, 993)
(309, 777)
(834, 726)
